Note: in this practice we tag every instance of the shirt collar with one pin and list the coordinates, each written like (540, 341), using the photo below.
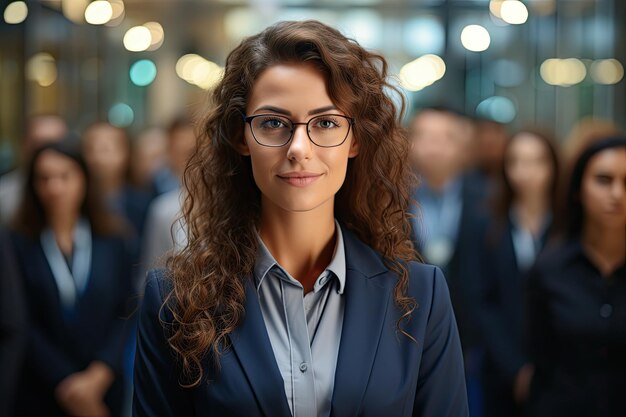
(265, 262)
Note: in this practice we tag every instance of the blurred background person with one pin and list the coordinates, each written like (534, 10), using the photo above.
(490, 140)
(78, 288)
(164, 232)
(517, 230)
(181, 141)
(149, 156)
(13, 326)
(449, 207)
(39, 130)
(577, 296)
(107, 150)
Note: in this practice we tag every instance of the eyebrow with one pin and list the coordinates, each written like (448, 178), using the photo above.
(288, 113)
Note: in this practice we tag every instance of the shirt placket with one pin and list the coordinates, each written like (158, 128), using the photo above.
(303, 383)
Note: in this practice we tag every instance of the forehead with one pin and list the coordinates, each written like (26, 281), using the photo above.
(293, 87)
(51, 161)
(613, 160)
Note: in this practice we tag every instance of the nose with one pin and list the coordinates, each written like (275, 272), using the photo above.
(300, 146)
(618, 190)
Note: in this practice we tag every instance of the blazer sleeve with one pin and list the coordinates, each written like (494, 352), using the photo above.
(441, 388)
(156, 388)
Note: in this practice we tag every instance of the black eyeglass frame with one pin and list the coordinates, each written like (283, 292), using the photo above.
(249, 119)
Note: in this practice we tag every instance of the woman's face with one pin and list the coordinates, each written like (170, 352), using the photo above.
(528, 166)
(105, 152)
(603, 189)
(299, 176)
(59, 183)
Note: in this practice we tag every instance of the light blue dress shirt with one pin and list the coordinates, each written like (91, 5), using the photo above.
(304, 330)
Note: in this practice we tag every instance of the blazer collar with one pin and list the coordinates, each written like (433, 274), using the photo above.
(252, 346)
(367, 298)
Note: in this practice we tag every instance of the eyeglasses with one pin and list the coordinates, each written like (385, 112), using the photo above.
(326, 130)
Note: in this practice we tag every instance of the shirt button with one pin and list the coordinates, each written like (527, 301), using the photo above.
(323, 280)
(606, 310)
(303, 367)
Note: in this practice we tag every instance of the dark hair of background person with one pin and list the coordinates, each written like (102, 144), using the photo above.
(574, 213)
(31, 217)
(222, 208)
(503, 200)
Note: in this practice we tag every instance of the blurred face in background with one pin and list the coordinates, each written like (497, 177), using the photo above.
(182, 143)
(59, 183)
(106, 152)
(438, 145)
(149, 155)
(528, 166)
(603, 189)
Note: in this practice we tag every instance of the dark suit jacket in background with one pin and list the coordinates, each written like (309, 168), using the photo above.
(13, 326)
(379, 371)
(502, 301)
(58, 347)
(577, 322)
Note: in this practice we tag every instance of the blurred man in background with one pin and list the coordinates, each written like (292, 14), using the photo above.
(448, 211)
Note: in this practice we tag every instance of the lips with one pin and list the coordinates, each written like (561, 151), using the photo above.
(299, 179)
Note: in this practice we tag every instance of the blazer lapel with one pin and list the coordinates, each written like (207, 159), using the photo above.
(252, 346)
(366, 303)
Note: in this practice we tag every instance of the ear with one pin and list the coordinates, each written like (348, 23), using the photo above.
(354, 148)
(242, 147)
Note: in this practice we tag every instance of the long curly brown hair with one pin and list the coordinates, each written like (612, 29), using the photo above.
(222, 208)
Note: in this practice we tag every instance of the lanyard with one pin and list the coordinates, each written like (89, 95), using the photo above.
(72, 283)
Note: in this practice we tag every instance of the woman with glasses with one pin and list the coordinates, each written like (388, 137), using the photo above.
(298, 292)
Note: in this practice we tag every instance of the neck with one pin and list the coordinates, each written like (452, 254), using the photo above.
(606, 246)
(110, 184)
(301, 242)
(63, 228)
(531, 211)
(438, 182)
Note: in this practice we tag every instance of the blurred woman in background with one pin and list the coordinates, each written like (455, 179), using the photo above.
(106, 149)
(577, 296)
(513, 237)
(77, 286)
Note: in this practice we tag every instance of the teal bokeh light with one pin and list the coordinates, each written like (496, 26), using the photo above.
(121, 115)
(143, 72)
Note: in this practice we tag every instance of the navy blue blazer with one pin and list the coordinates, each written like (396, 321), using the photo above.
(58, 347)
(380, 372)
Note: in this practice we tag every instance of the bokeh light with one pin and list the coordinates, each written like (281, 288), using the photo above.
(497, 108)
(119, 11)
(475, 38)
(137, 39)
(42, 69)
(607, 71)
(143, 72)
(513, 12)
(157, 35)
(424, 35)
(16, 12)
(422, 72)
(121, 115)
(563, 72)
(495, 7)
(199, 71)
(74, 10)
(98, 12)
